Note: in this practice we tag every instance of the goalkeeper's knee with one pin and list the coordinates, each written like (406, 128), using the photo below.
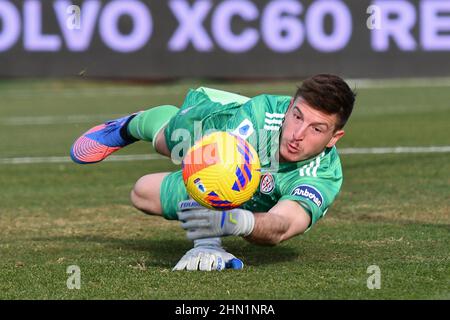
(145, 195)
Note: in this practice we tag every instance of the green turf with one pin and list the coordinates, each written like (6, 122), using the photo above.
(393, 210)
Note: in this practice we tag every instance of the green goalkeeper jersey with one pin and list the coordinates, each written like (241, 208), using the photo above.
(313, 183)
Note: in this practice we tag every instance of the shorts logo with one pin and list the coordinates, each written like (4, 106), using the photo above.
(188, 205)
(244, 130)
(308, 192)
(267, 183)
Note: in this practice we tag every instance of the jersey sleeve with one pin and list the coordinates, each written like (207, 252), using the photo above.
(314, 196)
(314, 193)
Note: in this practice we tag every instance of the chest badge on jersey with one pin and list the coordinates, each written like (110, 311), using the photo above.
(267, 183)
(244, 130)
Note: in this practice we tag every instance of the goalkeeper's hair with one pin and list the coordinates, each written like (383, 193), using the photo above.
(330, 94)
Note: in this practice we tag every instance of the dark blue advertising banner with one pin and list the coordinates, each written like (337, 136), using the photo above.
(156, 39)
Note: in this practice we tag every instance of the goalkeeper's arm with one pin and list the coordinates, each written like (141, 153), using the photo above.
(284, 221)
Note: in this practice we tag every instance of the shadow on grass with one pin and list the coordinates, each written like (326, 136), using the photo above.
(163, 252)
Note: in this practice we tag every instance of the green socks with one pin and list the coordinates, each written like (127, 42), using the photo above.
(147, 124)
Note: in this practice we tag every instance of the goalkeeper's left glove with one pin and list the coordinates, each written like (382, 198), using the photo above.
(205, 223)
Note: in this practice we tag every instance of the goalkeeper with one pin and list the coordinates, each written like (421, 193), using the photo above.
(295, 137)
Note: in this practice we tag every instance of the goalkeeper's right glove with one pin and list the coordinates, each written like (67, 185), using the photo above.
(208, 255)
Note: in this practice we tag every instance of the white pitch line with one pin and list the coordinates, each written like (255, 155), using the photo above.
(152, 157)
(101, 118)
(45, 160)
(119, 90)
(398, 83)
(52, 120)
(394, 150)
(91, 92)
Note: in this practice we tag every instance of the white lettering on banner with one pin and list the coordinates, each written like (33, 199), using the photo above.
(282, 30)
(340, 36)
(34, 39)
(142, 25)
(10, 31)
(435, 25)
(76, 39)
(282, 26)
(221, 25)
(399, 28)
(190, 28)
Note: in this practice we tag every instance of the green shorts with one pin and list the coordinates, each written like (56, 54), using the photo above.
(203, 110)
(173, 191)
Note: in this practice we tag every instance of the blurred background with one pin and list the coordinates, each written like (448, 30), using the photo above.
(233, 39)
(68, 65)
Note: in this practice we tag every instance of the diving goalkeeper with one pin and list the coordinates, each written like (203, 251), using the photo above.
(295, 137)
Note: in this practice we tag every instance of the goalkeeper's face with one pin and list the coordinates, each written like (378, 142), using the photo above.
(307, 132)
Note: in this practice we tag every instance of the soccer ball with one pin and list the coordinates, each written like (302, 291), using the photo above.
(221, 171)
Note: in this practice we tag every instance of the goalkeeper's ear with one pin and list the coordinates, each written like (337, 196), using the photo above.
(335, 138)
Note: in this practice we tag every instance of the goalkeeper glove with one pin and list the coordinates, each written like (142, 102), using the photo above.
(208, 255)
(205, 223)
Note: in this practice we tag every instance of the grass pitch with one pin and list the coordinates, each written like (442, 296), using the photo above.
(393, 211)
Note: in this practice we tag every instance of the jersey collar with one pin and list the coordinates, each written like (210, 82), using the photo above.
(290, 166)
